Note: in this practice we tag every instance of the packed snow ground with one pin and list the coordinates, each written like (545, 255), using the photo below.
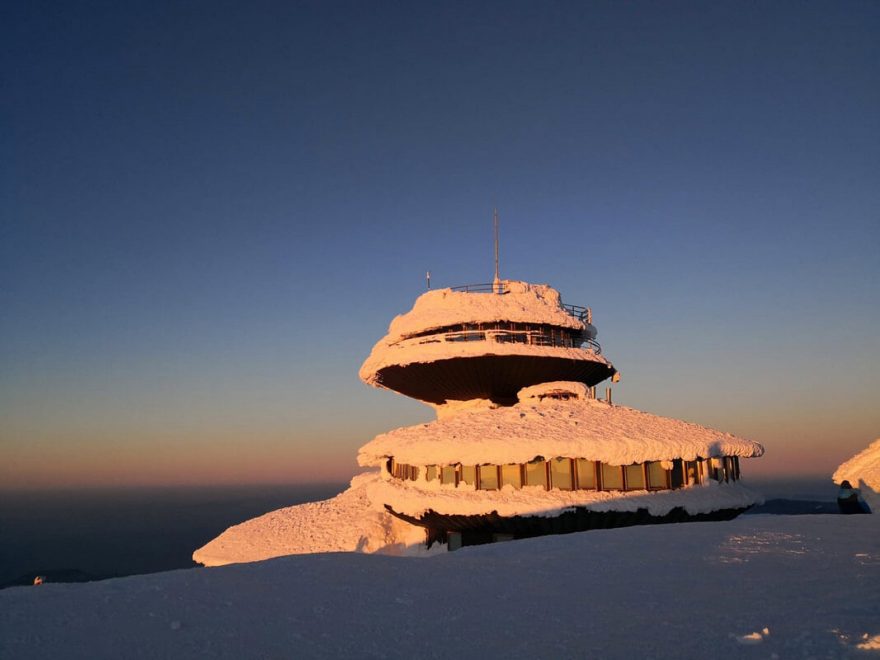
(863, 472)
(755, 587)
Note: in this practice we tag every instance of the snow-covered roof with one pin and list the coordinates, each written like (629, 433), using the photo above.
(521, 303)
(588, 429)
(863, 472)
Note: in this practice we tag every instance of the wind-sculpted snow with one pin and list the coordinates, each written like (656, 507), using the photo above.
(414, 499)
(863, 472)
(345, 523)
(535, 304)
(523, 303)
(589, 429)
(755, 587)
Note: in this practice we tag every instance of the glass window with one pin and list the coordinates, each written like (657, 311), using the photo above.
(560, 473)
(536, 473)
(488, 477)
(677, 476)
(586, 474)
(469, 475)
(657, 476)
(510, 474)
(612, 477)
(635, 477)
(448, 475)
(692, 472)
(715, 469)
(431, 472)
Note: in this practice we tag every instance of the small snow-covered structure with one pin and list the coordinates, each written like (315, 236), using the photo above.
(863, 472)
(521, 446)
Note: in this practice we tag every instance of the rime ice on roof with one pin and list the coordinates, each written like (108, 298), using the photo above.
(588, 429)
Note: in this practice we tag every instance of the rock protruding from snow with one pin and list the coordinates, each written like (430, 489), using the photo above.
(588, 429)
(345, 523)
(863, 472)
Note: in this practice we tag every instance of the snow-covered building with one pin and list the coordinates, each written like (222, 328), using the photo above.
(521, 445)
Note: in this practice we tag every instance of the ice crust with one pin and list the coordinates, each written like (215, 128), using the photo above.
(589, 429)
(863, 472)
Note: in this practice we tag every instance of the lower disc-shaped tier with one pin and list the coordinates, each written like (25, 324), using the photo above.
(494, 377)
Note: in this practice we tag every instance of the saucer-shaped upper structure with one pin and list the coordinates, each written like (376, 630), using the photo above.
(486, 343)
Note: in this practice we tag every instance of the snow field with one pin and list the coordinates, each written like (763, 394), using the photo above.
(755, 587)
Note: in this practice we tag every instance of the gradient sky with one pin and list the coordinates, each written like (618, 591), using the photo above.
(211, 211)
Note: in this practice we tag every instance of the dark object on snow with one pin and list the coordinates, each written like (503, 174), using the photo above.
(848, 500)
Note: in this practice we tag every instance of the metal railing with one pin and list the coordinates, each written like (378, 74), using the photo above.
(583, 314)
(482, 288)
(529, 337)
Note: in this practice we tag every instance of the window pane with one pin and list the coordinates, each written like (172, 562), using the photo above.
(612, 477)
(536, 474)
(560, 473)
(656, 475)
(677, 473)
(469, 475)
(586, 473)
(715, 470)
(635, 477)
(448, 474)
(510, 474)
(691, 470)
(431, 472)
(489, 477)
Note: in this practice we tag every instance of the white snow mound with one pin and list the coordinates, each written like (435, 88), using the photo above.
(345, 523)
(863, 472)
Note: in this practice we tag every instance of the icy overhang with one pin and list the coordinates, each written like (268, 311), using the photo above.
(589, 429)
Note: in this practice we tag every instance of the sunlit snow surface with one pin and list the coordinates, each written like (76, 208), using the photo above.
(755, 587)
(863, 472)
(584, 429)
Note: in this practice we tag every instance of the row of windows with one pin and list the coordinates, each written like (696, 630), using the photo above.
(505, 332)
(575, 474)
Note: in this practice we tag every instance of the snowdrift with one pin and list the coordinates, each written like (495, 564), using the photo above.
(863, 472)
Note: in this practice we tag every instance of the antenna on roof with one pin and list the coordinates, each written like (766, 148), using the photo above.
(496, 283)
(428, 277)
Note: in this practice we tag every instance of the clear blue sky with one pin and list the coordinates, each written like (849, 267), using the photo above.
(211, 211)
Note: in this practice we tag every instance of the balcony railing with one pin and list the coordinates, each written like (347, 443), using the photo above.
(528, 337)
(583, 314)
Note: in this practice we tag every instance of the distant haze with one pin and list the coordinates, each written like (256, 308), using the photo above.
(210, 214)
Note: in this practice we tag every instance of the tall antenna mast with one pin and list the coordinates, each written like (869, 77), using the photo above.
(496, 283)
